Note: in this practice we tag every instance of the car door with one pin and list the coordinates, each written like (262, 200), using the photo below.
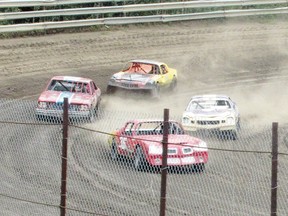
(164, 77)
(126, 137)
(95, 93)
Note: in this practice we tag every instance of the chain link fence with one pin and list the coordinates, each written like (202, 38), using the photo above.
(236, 179)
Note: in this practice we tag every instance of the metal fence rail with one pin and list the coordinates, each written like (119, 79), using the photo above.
(27, 3)
(142, 19)
(130, 8)
(34, 3)
(223, 11)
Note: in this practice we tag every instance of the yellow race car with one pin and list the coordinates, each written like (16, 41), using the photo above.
(144, 76)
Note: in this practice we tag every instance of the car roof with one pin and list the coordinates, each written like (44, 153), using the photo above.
(211, 96)
(71, 78)
(147, 61)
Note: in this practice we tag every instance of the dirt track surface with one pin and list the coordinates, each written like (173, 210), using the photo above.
(245, 60)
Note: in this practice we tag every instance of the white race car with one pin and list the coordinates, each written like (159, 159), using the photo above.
(213, 112)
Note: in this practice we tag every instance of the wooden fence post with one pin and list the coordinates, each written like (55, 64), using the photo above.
(64, 159)
(274, 169)
(164, 163)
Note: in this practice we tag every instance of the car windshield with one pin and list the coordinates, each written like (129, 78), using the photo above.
(156, 127)
(208, 104)
(135, 67)
(71, 86)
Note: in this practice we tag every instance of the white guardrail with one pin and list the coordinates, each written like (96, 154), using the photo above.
(221, 13)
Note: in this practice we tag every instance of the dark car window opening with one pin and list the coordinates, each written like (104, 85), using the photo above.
(157, 128)
(61, 85)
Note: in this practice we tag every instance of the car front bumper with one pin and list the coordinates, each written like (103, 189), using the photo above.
(219, 127)
(59, 113)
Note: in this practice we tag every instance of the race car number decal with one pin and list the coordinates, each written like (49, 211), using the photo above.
(123, 144)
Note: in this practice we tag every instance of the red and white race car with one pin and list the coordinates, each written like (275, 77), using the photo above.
(141, 140)
(82, 93)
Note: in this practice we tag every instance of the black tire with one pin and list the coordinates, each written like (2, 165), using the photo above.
(114, 153)
(173, 84)
(140, 162)
(93, 113)
(198, 168)
(155, 93)
(233, 134)
(91, 116)
(39, 117)
(97, 109)
(110, 89)
(228, 135)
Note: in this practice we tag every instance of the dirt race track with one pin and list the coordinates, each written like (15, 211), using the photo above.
(247, 60)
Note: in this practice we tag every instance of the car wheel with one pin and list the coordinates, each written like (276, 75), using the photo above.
(93, 113)
(140, 162)
(97, 109)
(91, 116)
(110, 89)
(39, 117)
(199, 167)
(114, 152)
(156, 92)
(228, 134)
(233, 134)
(238, 125)
(173, 84)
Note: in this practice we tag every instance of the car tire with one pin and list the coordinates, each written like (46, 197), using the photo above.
(39, 117)
(198, 168)
(93, 113)
(233, 134)
(97, 109)
(155, 92)
(140, 163)
(173, 84)
(110, 89)
(91, 116)
(114, 152)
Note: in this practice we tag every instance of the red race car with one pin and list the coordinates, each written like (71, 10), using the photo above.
(82, 93)
(141, 140)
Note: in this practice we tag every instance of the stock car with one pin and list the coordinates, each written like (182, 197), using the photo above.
(141, 141)
(145, 76)
(82, 93)
(212, 112)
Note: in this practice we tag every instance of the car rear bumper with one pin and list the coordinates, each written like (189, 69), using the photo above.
(131, 86)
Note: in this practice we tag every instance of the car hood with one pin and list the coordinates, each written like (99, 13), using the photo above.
(209, 112)
(58, 97)
(134, 77)
(174, 140)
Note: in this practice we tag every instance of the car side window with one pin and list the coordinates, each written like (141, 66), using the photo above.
(128, 129)
(164, 69)
(92, 87)
(156, 69)
(175, 129)
(52, 85)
